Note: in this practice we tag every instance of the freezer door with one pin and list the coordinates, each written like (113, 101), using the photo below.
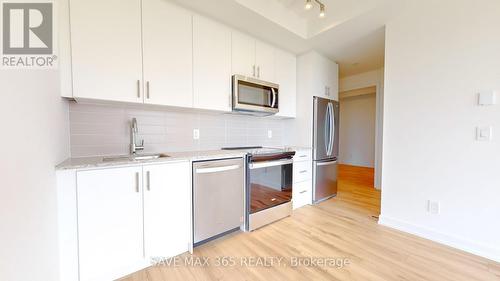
(325, 180)
(321, 129)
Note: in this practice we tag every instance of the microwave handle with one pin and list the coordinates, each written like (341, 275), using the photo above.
(273, 90)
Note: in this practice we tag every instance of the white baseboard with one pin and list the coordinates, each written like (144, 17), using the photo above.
(449, 240)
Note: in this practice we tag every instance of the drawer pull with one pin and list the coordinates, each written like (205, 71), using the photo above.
(303, 191)
(303, 171)
(303, 156)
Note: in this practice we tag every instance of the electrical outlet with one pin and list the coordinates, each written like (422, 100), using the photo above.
(269, 134)
(196, 134)
(433, 207)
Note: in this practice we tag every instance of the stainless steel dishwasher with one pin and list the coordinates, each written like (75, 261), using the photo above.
(218, 198)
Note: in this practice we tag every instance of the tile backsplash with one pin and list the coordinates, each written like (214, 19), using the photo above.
(105, 130)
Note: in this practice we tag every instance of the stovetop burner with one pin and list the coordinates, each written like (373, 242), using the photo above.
(260, 153)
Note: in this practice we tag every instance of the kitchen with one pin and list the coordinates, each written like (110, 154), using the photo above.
(151, 141)
(194, 140)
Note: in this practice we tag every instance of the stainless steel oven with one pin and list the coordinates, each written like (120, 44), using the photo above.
(269, 188)
(251, 95)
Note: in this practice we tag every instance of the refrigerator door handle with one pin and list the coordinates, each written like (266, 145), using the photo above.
(326, 163)
(332, 128)
(327, 131)
(328, 134)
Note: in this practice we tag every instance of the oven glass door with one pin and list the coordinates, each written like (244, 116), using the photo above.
(270, 184)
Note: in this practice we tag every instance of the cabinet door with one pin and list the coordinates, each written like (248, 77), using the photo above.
(302, 194)
(332, 82)
(211, 64)
(167, 50)
(265, 60)
(286, 77)
(110, 225)
(106, 49)
(325, 81)
(243, 54)
(166, 209)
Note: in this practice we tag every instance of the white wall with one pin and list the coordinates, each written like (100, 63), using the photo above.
(363, 80)
(439, 54)
(357, 130)
(34, 139)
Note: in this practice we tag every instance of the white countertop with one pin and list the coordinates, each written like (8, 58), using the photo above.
(99, 161)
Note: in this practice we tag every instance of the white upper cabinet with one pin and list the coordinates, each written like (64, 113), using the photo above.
(325, 76)
(110, 223)
(243, 54)
(265, 61)
(333, 81)
(166, 209)
(162, 54)
(167, 53)
(106, 49)
(252, 58)
(211, 65)
(286, 77)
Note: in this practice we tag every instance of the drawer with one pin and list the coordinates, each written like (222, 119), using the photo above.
(302, 194)
(302, 171)
(303, 155)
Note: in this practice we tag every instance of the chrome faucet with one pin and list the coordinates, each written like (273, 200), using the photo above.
(133, 138)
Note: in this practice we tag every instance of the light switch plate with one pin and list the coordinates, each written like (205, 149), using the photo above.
(483, 133)
(487, 98)
(433, 207)
(196, 134)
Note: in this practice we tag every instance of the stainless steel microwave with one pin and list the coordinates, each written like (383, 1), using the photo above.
(251, 95)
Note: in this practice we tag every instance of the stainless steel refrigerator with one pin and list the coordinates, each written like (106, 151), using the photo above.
(325, 148)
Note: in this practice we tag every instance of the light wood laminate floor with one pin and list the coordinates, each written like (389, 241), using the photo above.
(343, 227)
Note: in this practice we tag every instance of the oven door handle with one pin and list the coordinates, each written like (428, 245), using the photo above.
(270, 164)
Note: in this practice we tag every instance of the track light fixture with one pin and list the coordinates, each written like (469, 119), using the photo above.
(309, 5)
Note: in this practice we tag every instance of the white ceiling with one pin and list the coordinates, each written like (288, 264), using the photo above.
(352, 32)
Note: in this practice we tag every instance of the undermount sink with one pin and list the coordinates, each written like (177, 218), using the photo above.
(135, 157)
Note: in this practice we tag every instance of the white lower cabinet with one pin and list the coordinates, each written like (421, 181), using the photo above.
(128, 215)
(302, 178)
(166, 209)
(302, 194)
(110, 234)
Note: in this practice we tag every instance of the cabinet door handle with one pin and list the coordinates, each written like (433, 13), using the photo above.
(303, 171)
(148, 179)
(303, 156)
(258, 71)
(137, 182)
(147, 89)
(253, 71)
(303, 191)
(138, 88)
